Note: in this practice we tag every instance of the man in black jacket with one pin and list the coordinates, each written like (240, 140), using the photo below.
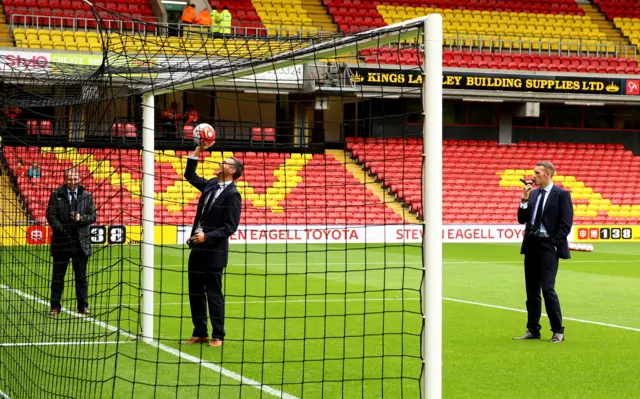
(70, 214)
(547, 213)
(217, 218)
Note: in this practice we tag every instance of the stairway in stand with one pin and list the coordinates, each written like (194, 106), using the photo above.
(11, 213)
(5, 36)
(604, 25)
(320, 16)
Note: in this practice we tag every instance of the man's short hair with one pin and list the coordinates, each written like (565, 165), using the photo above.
(548, 167)
(67, 172)
(239, 167)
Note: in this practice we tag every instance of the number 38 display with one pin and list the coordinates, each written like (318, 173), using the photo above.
(108, 235)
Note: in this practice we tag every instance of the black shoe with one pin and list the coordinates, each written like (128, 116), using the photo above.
(557, 337)
(527, 335)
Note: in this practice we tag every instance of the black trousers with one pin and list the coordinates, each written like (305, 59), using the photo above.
(540, 270)
(205, 288)
(60, 263)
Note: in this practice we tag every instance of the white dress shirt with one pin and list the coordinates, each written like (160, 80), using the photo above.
(69, 194)
(547, 190)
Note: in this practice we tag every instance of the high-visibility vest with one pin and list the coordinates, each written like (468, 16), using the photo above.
(226, 18)
(203, 18)
(188, 15)
(216, 17)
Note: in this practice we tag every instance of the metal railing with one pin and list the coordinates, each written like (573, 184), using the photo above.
(533, 46)
(248, 29)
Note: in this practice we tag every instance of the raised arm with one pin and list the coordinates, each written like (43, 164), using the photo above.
(190, 171)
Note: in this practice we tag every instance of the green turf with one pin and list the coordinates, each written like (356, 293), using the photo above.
(316, 321)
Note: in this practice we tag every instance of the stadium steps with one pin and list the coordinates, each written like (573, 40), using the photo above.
(604, 25)
(11, 213)
(374, 186)
(320, 16)
(5, 36)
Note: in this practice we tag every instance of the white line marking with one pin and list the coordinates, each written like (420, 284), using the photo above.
(4, 395)
(212, 366)
(487, 305)
(157, 304)
(64, 343)
(597, 323)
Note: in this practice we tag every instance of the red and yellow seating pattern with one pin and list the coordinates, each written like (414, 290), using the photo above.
(276, 188)
(481, 178)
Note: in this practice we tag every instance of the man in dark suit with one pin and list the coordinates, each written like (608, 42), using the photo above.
(70, 214)
(547, 212)
(217, 218)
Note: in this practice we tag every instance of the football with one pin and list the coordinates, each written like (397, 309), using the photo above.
(204, 134)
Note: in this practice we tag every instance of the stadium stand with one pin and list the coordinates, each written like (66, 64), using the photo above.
(244, 15)
(292, 189)
(599, 190)
(466, 16)
(150, 44)
(68, 10)
(506, 60)
(293, 15)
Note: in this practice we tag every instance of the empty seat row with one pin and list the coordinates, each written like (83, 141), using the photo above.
(533, 62)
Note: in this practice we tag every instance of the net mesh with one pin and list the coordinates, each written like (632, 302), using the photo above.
(322, 287)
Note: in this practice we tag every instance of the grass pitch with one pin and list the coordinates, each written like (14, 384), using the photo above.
(315, 321)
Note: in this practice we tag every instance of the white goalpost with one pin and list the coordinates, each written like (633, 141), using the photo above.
(432, 209)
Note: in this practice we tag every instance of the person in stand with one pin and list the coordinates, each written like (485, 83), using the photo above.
(191, 118)
(225, 22)
(188, 18)
(547, 213)
(216, 18)
(34, 171)
(217, 218)
(203, 19)
(70, 214)
(21, 170)
(171, 117)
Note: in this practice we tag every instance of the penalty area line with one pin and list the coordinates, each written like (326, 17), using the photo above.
(10, 344)
(597, 323)
(203, 363)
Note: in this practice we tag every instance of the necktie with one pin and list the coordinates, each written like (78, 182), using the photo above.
(208, 201)
(74, 202)
(538, 221)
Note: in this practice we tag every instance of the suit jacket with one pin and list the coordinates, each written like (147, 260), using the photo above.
(65, 232)
(557, 217)
(219, 221)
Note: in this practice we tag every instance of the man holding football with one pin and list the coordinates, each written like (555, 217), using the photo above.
(217, 218)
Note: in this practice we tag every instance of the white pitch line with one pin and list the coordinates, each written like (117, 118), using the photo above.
(212, 366)
(9, 344)
(487, 305)
(597, 323)
(4, 395)
(270, 301)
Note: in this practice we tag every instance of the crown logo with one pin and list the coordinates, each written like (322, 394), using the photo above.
(612, 88)
(356, 78)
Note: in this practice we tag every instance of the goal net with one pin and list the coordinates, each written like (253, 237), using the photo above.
(321, 289)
